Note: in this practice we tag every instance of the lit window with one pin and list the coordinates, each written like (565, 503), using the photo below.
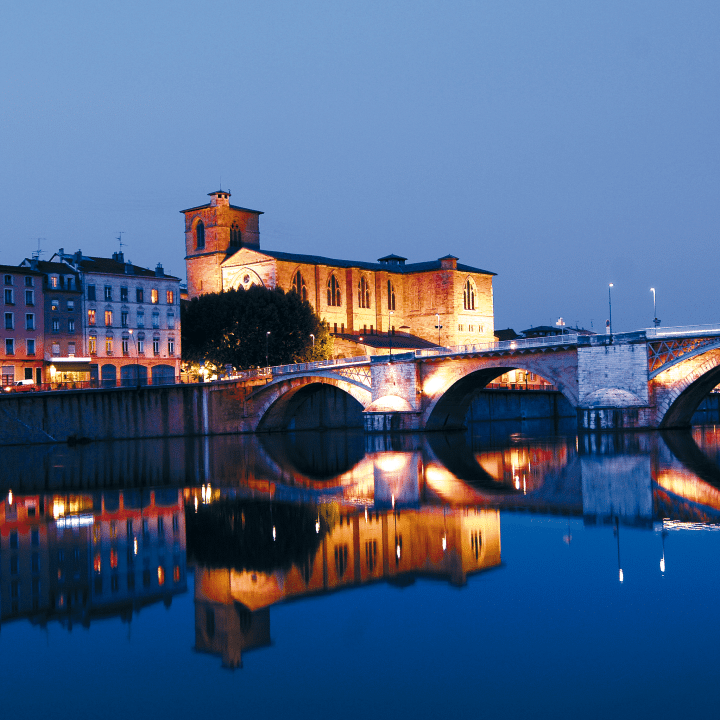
(108, 318)
(54, 305)
(91, 317)
(170, 297)
(92, 345)
(54, 282)
(154, 296)
(108, 345)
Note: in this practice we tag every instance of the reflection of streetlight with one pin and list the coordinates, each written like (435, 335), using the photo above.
(610, 287)
(390, 314)
(662, 559)
(617, 535)
(267, 345)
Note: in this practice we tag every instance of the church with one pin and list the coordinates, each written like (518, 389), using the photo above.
(369, 306)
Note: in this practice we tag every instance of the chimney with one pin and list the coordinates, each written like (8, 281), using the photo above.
(78, 256)
(449, 262)
(159, 272)
(118, 256)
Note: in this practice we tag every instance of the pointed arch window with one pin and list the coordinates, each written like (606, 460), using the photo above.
(363, 293)
(391, 296)
(469, 294)
(200, 235)
(334, 297)
(299, 285)
(235, 236)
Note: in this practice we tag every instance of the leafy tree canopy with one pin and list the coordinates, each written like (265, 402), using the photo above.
(230, 328)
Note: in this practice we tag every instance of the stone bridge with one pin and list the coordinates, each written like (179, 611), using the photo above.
(653, 378)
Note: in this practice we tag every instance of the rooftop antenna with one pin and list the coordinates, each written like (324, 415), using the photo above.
(119, 239)
(37, 253)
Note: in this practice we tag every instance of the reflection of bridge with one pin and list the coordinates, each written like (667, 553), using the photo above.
(651, 378)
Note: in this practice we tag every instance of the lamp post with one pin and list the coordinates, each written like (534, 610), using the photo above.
(439, 327)
(267, 346)
(390, 314)
(313, 342)
(610, 287)
(137, 363)
(656, 322)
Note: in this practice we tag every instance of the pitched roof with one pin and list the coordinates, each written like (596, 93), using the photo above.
(398, 269)
(108, 266)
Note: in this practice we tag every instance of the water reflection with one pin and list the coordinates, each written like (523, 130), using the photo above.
(105, 530)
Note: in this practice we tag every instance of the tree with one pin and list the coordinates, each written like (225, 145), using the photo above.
(230, 328)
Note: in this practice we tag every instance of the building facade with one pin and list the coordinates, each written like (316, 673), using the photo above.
(130, 320)
(23, 325)
(441, 301)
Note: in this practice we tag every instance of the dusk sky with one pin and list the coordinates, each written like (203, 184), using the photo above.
(563, 145)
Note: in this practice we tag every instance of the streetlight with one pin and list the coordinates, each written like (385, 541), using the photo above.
(390, 314)
(610, 287)
(313, 341)
(656, 322)
(438, 326)
(267, 345)
(137, 362)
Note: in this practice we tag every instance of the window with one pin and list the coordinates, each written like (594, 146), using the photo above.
(108, 292)
(9, 297)
(200, 235)
(9, 321)
(125, 345)
(123, 294)
(156, 346)
(391, 296)
(333, 292)
(138, 295)
(54, 281)
(170, 297)
(70, 305)
(363, 293)
(8, 279)
(469, 295)
(299, 285)
(171, 321)
(29, 297)
(54, 305)
(91, 292)
(71, 349)
(141, 346)
(156, 320)
(56, 325)
(124, 318)
(71, 326)
(140, 318)
(92, 345)
(235, 236)
(56, 348)
(108, 318)
(108, 345)
(9, 346)
(171, 346)
(154, 296)
(30, 347)
(29, 281)
(69, 282)
(91, 317)
(29, 321)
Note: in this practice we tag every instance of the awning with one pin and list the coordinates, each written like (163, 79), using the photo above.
(75, 364)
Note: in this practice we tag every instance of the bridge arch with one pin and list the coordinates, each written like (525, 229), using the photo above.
(333, 403)
(450, 388)
(680, 389)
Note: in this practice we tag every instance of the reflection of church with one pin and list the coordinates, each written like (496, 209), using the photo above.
(357, 299)
(232, 607)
